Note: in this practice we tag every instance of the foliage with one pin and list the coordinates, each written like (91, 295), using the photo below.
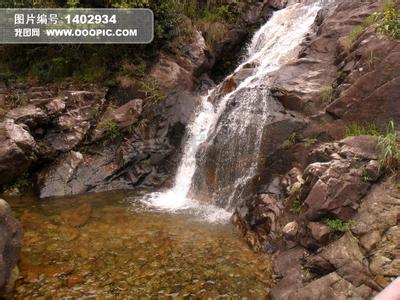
(151, 89)
(389, 148)
(355, 129)
(338, 225)
(22, 182)
(388, 20)
(111, 129)
(296, 207)
(310, 142)
(353, 36)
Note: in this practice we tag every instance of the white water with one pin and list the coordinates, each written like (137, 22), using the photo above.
(273, 45)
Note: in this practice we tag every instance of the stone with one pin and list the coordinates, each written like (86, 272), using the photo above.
(55, 107)
(346, 258)
(71, 127)
(331, 286)
(10, 246)
(29, 115)
(77, 217)
(365, 147)
(18, 150)
(53, 180)
(259, 215)
(320, 232)
(291, 229)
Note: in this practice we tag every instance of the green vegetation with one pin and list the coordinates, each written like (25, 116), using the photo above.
(111, 129)
(389, 148)
(366, 178)
(388, 20)
(151, 89)
(310, 142)
(355, 129)
(353, 36)
(338, 225)
(296, 207)
(22, 182)
(174, 23)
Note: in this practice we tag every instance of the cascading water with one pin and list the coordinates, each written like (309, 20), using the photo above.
(224, 140)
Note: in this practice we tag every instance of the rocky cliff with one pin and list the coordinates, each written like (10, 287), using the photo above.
(328, 210)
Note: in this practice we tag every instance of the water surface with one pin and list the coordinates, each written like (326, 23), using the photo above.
(109, 246)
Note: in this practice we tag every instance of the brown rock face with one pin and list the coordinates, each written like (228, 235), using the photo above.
(17, 151)
(373, 86)
(29, 115)
(10, 245)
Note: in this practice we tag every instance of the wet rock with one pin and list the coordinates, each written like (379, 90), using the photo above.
(259, 215)
(53, 181)
(18, 151)
(29, 115)
(10, 245)
(78, 216)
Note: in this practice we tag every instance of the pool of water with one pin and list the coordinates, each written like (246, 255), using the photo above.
(110, 246)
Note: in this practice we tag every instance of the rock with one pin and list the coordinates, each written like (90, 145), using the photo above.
(77, 217)
(365, 147)
(320, 232)
(128, 114)
(372, 94)
(55, 107)
(259, 215)
(29, 115)
(74, 280)
(291, 229)
(124, 117)
(171, 76)
(10, 245)
(71, 127)
(287, 266)
(331, 286)
(18, 151)
(337, 192)
(346, 258)
(215, 176)
(53, 181)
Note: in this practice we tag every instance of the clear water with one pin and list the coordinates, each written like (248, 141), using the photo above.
(109, 246)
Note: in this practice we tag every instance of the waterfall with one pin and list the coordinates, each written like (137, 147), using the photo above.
(224, 141)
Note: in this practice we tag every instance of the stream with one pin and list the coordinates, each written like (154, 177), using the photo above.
(108, 246)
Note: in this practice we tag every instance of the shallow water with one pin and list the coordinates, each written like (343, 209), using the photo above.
(109, 246)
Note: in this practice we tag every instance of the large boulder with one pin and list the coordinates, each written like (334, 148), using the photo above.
(29, 114)
(10, 247)
(18, 151)
(336, 187)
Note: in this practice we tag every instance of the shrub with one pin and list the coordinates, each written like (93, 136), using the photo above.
(151, 89)
(389, 148)
(111, 129)
(355, 129)
(338, 225)
(388, 20)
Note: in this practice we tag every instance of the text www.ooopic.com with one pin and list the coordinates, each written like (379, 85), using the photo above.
(91, 32)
